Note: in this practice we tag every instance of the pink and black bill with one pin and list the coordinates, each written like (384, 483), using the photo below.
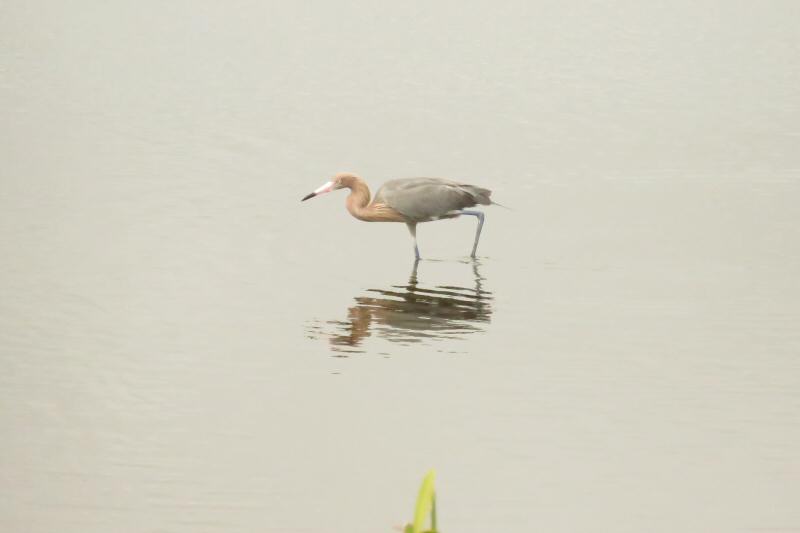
(328, 187)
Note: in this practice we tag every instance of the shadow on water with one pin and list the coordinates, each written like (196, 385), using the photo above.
(410, 313)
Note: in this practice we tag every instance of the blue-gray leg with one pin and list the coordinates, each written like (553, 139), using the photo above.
(412, 229)
(478, 214)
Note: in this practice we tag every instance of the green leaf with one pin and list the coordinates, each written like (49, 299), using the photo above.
(433, 512)
(425, 501)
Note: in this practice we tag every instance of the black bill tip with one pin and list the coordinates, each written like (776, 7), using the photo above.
(307, 196)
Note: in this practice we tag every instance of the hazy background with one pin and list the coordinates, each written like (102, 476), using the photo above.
(185, 347)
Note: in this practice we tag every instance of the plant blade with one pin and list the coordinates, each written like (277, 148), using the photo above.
(424, 501)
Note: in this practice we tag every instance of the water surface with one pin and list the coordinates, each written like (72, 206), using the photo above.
(186, 347)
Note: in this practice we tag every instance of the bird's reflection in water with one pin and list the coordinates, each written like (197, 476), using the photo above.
(411, 313)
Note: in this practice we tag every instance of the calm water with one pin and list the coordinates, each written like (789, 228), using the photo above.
(185, 347)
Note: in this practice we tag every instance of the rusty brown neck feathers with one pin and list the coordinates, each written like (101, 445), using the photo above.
(358, 202)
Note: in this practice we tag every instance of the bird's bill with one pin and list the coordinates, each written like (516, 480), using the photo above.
(328, 187)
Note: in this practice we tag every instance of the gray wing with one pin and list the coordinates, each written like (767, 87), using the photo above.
(422, 199)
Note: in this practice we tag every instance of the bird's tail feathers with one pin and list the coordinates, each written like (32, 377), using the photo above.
(479, 195)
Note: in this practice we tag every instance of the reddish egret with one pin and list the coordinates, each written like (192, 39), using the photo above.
(410, 200)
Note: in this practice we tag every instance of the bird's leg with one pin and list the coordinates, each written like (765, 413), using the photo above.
(412, 280)
(478, 214)
(412, 229)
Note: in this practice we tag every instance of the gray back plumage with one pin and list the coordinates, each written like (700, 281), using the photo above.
(422, 199)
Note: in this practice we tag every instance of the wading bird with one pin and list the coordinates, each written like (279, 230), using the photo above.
(410, 200)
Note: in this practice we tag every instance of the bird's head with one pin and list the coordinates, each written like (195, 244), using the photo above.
(339, 181)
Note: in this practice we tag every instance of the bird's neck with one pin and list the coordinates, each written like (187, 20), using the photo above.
(358, 199)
